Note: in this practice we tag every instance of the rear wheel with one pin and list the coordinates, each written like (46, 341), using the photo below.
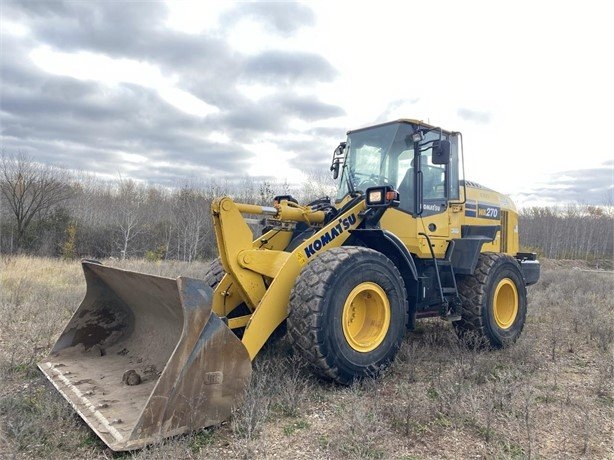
(347, 313)
(494, 301)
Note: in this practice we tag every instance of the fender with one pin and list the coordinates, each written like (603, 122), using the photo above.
(391, 246)
(467, 249)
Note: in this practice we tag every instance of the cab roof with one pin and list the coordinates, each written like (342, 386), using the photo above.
(408, 121)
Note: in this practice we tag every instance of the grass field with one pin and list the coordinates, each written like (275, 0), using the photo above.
(548, 396)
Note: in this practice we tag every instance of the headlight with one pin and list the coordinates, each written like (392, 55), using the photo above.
(375, 197)
(382, 196)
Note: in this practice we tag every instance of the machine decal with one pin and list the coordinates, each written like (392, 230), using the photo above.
(342, 226)
(489, 211)
(471, 208)
(482, 210)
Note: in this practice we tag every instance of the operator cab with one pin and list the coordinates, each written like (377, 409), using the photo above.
(419, 161)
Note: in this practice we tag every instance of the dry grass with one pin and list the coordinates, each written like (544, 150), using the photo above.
(548, 396)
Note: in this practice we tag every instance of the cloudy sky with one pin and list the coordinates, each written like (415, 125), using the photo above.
(168, 91)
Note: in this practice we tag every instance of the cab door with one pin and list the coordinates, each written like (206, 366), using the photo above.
(434, 214)
(439, 183)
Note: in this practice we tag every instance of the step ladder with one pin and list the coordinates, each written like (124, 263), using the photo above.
(450, 306)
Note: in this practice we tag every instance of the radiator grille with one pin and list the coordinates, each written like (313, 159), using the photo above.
(504, 232)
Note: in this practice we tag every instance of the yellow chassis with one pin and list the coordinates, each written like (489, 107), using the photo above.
(259, 273)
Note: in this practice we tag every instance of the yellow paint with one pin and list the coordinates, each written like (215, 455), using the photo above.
(505, 303)
(275, 239)
(404, 226)
(293, 212)
(265, 262)
(226, 296)
(366, 317)
(233, 235)
(486, 196)
(273, 308)
(448, 225)
(301, 259)
(240, 321)
(248, 261)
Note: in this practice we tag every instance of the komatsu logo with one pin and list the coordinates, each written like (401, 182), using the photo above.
(342, 226)
(431, 207)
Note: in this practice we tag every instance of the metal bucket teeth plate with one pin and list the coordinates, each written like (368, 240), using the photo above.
(144, 358)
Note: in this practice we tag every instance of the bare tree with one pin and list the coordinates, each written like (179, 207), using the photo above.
(191, 213)
(30, 189)
(129, 213)
(575, 232)
(319, 184)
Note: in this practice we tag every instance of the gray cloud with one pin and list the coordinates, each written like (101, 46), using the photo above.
(107, 27)
(304, 107)
(136, 30)
(34, 8)
(593, 186)
(281, 66)
(249, 120)
(284, 18)
(86, 125)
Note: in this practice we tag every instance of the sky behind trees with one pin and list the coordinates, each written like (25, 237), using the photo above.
(167, 92)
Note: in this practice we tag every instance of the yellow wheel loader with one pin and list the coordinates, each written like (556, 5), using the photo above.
(406, 237)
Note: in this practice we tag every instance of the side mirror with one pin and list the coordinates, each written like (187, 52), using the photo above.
(335, 168)
(337, 159)
(441, 152)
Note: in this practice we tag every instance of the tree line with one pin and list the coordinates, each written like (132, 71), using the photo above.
(572, 232)
(48, 211)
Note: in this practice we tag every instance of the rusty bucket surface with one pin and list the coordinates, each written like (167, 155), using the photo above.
(144, 358)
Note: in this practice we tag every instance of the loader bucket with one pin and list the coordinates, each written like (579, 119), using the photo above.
(144, 358)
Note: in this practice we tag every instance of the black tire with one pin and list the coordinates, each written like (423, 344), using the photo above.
(214, 274)
(494, 302)
(351, 283)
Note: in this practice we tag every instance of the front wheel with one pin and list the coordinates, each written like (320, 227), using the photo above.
(494, 301)
(347, 313)
(214, 273)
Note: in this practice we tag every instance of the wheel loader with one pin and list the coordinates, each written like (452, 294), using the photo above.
(406, 237)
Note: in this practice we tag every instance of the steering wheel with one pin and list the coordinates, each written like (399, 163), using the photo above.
(371, 180)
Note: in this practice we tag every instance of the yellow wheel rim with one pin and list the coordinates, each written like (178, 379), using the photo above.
(366, 317)
(505, 303)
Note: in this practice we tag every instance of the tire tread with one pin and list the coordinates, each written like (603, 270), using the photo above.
(472, 290)
(305, 320)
